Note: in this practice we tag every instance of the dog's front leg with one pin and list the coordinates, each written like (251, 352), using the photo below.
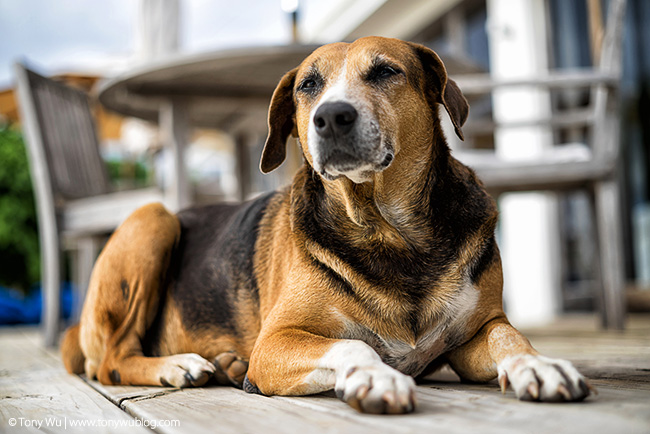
(499, 349)
(296, 362)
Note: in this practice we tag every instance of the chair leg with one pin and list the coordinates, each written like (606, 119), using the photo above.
(87, 249)
(608, 218)
(51, 286)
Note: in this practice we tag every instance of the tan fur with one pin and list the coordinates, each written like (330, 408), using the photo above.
(122, 297)
(73, 358)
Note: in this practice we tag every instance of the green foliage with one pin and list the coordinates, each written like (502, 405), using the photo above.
(19, 254)
(128, 174)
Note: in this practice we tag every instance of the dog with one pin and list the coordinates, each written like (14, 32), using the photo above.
(377, 265)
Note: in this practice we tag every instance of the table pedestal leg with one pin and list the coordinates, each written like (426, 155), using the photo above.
(174, 128)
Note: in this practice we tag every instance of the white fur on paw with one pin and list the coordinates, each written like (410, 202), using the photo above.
(377, 389)
(186, 370)
(539, 378)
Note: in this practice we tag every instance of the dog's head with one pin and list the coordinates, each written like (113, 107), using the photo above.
(355, 107)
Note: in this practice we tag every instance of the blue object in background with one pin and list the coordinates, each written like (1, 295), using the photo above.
(18, 309)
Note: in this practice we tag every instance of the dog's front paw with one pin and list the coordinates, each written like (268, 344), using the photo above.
(186, 370)
(377, 389)
(539, 378)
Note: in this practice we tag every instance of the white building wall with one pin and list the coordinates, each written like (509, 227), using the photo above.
(529, 226)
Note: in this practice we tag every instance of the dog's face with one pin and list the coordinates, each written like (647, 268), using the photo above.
(355, 107)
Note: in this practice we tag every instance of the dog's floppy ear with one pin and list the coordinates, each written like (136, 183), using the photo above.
(441, 89)
(281, 123)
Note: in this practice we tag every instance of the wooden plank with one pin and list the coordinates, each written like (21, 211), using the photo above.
(610, 357)
(87, 249)
(35, 388)
(596, 30)
(449, 407)
(500, 176)
(564, 120)
(102, 214)
(610, 236)
(228, 410)
(119, 394)
(618, 365)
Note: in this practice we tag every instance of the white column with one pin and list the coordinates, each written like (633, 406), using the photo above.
(529, 226)
(158, 28)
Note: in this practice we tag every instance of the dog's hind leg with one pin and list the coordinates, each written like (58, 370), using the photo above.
(126, 287)
(71, 353)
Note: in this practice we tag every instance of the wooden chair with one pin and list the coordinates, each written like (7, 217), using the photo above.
(75, 205)
(593, 166)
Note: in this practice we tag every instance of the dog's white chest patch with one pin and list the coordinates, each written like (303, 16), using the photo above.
(445, 334)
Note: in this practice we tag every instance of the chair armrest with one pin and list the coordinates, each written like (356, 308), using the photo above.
(102, 214)
(479, 84)
(562, 168)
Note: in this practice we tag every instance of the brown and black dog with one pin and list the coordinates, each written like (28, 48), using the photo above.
(377, 265)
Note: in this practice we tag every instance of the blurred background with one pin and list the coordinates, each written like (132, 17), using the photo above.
(178, 92)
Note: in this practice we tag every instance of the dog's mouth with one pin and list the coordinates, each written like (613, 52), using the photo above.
(355, 149)
(358, 169)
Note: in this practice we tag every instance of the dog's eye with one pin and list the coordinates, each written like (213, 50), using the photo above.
(386, 71)
(309, 85)
(382, 72)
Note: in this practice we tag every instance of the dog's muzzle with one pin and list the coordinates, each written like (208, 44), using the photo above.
(348, 146)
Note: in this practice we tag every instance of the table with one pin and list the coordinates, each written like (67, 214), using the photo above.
(228, 90)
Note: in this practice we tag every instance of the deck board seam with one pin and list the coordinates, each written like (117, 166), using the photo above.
(123, 401)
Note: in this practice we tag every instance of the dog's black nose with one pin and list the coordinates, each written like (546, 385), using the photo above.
(334, 118)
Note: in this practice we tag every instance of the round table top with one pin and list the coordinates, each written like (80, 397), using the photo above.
(220, 88)
(228, 89)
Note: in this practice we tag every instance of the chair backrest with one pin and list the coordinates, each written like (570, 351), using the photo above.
(600, 117)
(60, 130)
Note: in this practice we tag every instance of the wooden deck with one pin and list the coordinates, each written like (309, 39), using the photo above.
(35, 389)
